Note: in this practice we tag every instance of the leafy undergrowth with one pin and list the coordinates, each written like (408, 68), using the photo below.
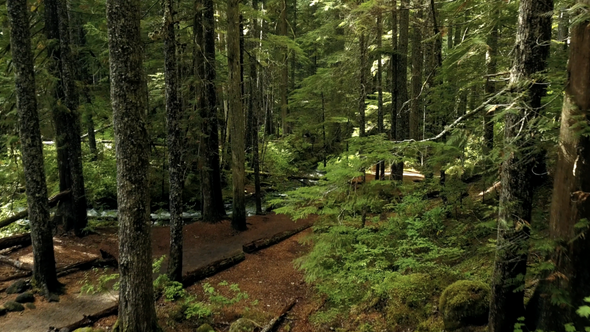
(384, 252)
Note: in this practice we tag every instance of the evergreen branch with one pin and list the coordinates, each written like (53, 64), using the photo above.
(457, 121)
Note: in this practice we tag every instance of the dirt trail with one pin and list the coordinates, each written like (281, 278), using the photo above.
(204, 243)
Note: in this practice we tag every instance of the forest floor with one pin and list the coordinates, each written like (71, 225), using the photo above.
(203, 244)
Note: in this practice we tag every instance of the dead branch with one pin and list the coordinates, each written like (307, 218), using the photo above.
(272, 325)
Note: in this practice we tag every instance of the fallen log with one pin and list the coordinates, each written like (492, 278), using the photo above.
(265, 243)
(68, 269)
(272, 325)
(90, 319)
(291, 177)
(16, 263)
(15, 240)
(53, 200)
(212, 268)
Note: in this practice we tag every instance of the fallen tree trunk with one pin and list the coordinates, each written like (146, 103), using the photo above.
(16, 263)
(68, 269)
(294, 177)
(16, 240)
(265, 243)
(272, 325)
(90, 319)
(23, 214)
(211, 269)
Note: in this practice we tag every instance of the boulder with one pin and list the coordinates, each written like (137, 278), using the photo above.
(30, 306)
(242, 325)
(26, 297)
(464, 304)
(17, 287)
(205, 328)
(13, 306)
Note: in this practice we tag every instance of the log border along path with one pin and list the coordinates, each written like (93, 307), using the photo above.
(220, 256)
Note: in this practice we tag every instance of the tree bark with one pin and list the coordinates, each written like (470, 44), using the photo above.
(213, 209)
(44, 275)
(417, 60)
(530, 58)
(363, 83)
(380, 171)
(237, 121)
(571, 190)
(284, 84)
(403, 122)
(128, 96)
(175, 143)
(490, 86)
(393, 89)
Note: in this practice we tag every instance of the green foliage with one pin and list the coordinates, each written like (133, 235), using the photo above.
(464, 303)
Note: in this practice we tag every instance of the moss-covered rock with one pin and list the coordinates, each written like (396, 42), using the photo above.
(26, 297)
(88, 329)
(205, 328)
(13, 306)
(465, 303)
(242, 325)
(17, 287)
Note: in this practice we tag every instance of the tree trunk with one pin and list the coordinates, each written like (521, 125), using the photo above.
(393, 88)
(213, 209)
(128, 96)
(531, 52)
(74, 145)
(417, 60)
(65, 116)
(363, 81)
(403, 122)
(255, 106)
(236, 115)
(381, 165)
(44, 274)
(284, 84)
(571, 190)
(175, 143)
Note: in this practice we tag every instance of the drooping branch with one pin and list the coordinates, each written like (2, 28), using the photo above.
(458, 120)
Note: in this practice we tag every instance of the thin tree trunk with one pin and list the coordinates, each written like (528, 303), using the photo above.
(236, 115)
(175, 143)
(284, 84)
(530, 58)
(128, 95)
(393, 89)
(381, 165)
(255, 106)
(417, 60)
(213, 209)
(403, 122)
(74, 145)
(44, 273)
(363, 83)
(571, 188)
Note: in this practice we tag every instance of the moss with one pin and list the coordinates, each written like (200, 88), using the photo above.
(465, 303)
(410, 299)
(205, 328)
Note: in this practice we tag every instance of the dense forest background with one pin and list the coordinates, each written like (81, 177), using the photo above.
(332, 108)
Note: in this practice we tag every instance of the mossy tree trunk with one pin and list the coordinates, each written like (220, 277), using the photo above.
(44, 273)
(128, 96)
(530, 60)
(571, 195)
(175, 143)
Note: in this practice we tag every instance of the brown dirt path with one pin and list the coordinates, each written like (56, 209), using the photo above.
(204, 243)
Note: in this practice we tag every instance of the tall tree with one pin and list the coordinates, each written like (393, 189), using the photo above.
(237, 119)
(175, 143)
(253, 107)
(492, 67)
(393, 88)
(44, 274)
(284, 82)
(417, 60)
(363, 82)
(533, 37)
(380, 171)
(213, 209)
(128, 96)
(65, 115)
(403, 123)
(570, 206)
